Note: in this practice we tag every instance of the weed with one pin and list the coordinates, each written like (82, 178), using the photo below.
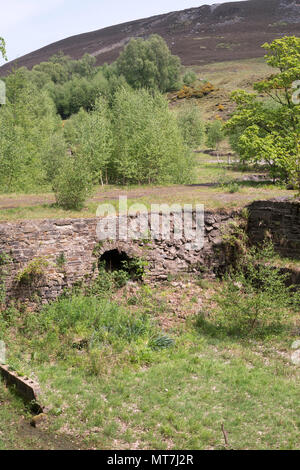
(254, 299)
(32, 272)
(61, 260)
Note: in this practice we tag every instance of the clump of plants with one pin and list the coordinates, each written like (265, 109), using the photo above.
(196, 91)
(4, 261)
(93, 331)
(32, 272)
(255, 298)
(189, 118)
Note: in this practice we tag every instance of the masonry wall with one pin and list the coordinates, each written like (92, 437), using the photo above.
(278, 220)
(77, 241)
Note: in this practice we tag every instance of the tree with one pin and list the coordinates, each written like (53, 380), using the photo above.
(72, 184)
(3, 48)
(190, 122)
(28, 124)
(268, 129)
(90, 137)
(60, 68)
(215, 135)
(148, 145)
(149, 64)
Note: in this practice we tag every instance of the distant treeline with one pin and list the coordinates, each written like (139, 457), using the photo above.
(69, 125)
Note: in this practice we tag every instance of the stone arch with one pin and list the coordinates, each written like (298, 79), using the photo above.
(114, 259)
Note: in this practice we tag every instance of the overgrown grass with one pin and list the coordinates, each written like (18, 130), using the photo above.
(114, 377)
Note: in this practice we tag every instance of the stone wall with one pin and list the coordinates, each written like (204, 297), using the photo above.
(76, 241)
(278, 220)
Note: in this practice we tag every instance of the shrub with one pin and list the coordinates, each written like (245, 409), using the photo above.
(73, 184)
(190, 121)
(32, 272)
(215, 134)
(255, 297)
(189, 77)
(197, 91)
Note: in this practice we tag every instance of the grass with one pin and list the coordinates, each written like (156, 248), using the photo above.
(134, 368)
(123, 393)
(212, 186)
(231, 75)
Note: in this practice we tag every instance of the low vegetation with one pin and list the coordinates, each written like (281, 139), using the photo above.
(124, 362)
(128, 368)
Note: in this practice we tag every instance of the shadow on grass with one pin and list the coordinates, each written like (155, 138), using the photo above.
(209, 328)
(241, 183)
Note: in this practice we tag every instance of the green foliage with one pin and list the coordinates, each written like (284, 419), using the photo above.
(148, 146)
(255, 298)
(189, 77)
(5, 259)
(29, 126)
(149, 64)
(190, 121)
(103, 284)
(72, 84)
(2, 48)
(96, 326)
(268, 130)
(61, 260)
(120, 277)
(231, 187)
(161, 342)
(215, 134)
(91, 140)
(54, 155)
(32, 272)
(61, 68)
(73, 184)
(136, 268)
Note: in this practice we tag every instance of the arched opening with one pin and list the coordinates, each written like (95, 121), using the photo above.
(115, 260)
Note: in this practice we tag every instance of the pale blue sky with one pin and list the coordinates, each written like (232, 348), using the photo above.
(28, 25)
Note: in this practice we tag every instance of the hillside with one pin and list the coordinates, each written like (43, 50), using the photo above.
(203, 35)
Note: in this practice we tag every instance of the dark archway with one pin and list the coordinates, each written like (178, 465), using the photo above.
(115, 260)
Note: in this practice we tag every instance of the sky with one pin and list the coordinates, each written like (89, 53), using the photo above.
(28, 25)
